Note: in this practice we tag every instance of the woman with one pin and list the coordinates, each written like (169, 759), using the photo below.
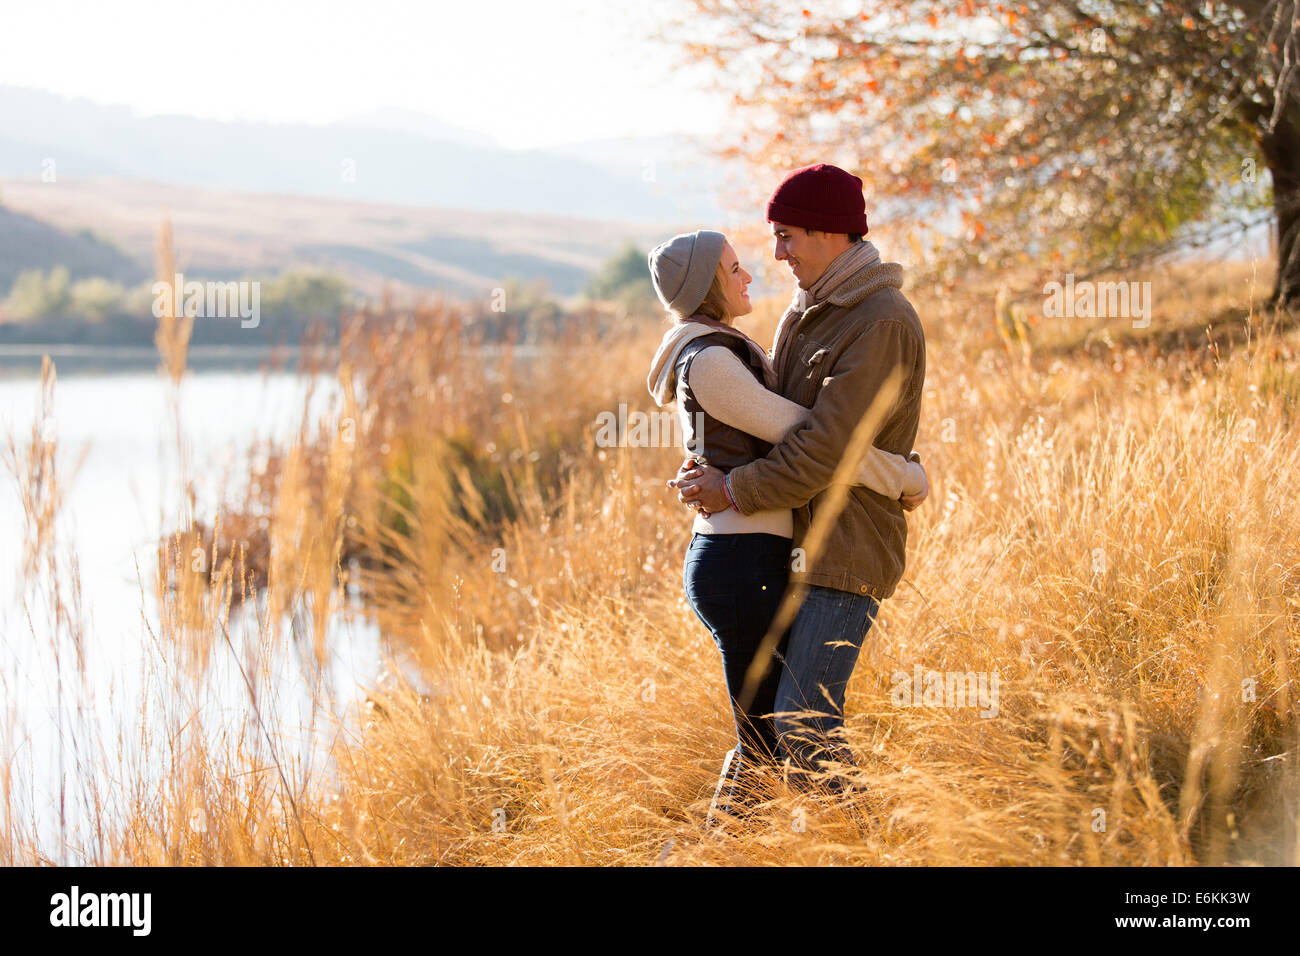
(736, 565)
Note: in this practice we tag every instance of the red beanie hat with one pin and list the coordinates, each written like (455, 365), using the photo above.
(821, 197)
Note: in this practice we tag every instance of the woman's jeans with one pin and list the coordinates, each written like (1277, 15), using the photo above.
(735, 583)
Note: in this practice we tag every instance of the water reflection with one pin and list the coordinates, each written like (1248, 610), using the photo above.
(89, 725)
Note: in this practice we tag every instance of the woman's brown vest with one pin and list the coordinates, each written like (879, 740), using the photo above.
(721, 445)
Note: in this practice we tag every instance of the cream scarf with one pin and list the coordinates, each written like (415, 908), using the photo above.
(662, 382)
(856, 257)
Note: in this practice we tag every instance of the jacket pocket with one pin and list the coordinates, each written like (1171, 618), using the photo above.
(812, 361)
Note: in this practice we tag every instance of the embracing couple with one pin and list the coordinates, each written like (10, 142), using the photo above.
(801, 468)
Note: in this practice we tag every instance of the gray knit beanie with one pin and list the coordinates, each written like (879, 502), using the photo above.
(682, 269)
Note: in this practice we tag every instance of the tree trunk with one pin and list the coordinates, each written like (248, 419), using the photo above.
(1281, 149)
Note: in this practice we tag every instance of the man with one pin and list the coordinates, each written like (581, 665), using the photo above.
(849, 334)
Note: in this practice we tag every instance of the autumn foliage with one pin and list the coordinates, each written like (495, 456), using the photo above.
(1070, 136)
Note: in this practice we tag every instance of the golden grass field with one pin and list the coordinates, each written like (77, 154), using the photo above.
(1111, 529)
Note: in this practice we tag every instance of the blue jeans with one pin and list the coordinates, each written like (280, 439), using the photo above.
(820, 655)
(734, 583)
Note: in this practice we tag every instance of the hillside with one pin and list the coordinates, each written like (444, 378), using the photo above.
(29, 243)
(221, 234)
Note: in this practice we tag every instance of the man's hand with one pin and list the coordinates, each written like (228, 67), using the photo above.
(700, 486)
(912, 502)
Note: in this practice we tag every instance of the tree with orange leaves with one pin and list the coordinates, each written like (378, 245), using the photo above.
(1090, 132)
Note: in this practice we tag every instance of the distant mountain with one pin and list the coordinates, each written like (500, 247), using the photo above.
(419, 124)
(390, 156)
(677, 166)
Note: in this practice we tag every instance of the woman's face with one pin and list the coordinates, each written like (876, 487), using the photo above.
(735, 282)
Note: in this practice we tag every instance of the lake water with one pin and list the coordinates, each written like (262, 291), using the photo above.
(126, 493)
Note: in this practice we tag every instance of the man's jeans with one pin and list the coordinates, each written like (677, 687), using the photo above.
(820, 655)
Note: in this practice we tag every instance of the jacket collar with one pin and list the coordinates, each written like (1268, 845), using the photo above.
(856, 288)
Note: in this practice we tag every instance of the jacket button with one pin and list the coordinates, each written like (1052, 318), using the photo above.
(800, 336)
(863, 589)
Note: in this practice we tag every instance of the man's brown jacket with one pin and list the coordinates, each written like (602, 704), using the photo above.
(834, 358)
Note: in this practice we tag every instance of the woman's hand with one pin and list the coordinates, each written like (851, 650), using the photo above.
(699, 486)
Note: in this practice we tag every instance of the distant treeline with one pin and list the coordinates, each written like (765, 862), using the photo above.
(524, 312)
(51, 307)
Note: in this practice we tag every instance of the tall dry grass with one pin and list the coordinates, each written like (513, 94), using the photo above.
(1110, 531)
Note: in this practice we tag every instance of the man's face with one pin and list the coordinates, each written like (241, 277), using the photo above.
(807, 252)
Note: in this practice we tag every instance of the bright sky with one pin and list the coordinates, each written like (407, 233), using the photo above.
(526, 72)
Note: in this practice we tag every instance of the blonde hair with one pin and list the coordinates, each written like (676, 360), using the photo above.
(715, 301)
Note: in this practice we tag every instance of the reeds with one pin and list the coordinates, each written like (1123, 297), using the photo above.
(1111, 533)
